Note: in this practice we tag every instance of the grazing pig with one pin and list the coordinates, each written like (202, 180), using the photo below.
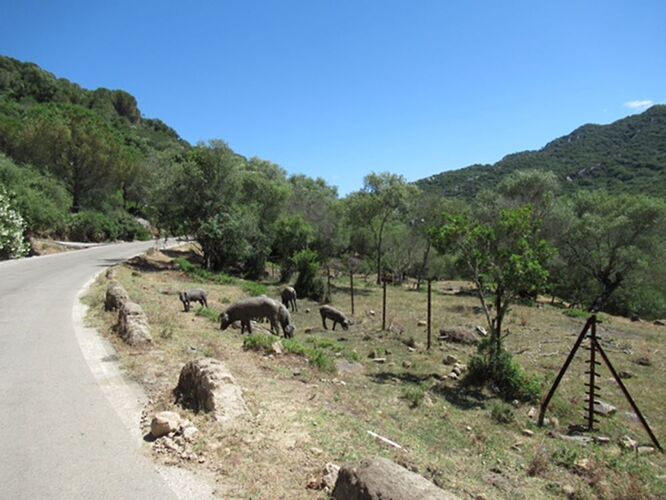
(196, 295)
(334, 315)
(257, 307)
(289, 298)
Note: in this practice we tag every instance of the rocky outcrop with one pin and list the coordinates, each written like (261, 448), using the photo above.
(379, 478)
(206, 385)
(133, 325)
(116, 295)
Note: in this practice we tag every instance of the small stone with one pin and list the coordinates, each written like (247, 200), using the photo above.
(569, 490)
(515, 403)
(453, 376)
(604, 408)
(481, 331)
(660, 322)
(307, 310)
(277, 347)
(468, 428)
(625, 374)
(645, 450)
(601, 439)
(379, 360)
(532, 413)
(449, 359)
(189, 432)
(421, 322)
(164, 422)
(168, 443)
(628, 444)
(372, 354)
(296, 372)
(316, 451)
(372, 313)
(457, 370)
(582, 466)
(527, 432)
(406, 364)
(308, 330)
(644, 361)
(411, 349)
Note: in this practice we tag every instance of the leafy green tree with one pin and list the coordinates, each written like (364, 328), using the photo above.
(503, 260)
(76, 146)
(383, 197)
(609, 239)
(292, 234)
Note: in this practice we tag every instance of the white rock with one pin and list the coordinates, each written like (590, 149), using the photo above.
(481, 331)
(189, 432)
(449, 359)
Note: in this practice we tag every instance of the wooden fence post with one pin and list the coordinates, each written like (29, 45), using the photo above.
(429, 312)
(384, 307)
(351, 286)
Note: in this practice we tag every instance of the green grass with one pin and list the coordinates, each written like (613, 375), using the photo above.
(414, 395)
(315, 355)
(250, 287)
(259, 342)
(208, 312)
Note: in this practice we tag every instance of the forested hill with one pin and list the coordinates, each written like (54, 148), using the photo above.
(628, 155)
(68, 150)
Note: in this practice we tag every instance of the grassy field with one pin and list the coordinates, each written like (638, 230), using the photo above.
(305, 413)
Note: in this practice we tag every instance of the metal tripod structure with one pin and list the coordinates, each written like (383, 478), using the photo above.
(590, 330)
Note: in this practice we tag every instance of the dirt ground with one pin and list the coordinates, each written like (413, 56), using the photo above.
(303, 418)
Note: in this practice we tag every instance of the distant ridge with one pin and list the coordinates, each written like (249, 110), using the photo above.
(628, 155)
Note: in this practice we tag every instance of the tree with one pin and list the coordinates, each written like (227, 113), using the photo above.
(503, 259)
(76, 146)
(608, 240)
(383, 196)
(292, 234)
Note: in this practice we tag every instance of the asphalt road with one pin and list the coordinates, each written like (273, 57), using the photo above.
(59, 435)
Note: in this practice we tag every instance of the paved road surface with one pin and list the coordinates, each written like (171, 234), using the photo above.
(59, 435)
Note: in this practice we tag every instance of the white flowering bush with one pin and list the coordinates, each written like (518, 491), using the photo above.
(12, 227)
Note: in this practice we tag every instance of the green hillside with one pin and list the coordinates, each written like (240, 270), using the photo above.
(628, 155)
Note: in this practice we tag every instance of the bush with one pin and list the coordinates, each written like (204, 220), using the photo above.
(502, 413)
(96, 227)
(258, 342)
(12, 228)
(414, 395)
(502, 374)
(309, 284)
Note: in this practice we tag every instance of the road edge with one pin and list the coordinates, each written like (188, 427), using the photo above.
(127, 397)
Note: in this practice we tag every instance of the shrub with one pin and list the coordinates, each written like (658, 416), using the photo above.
(414, 395)
(502, 374)
(253, 289)
(502, 413)
(258, 342)
(12, 228)
(91, 226)
(309, 284)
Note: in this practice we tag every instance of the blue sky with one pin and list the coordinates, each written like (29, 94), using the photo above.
(339, 88)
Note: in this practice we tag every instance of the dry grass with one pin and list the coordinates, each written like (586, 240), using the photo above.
(303, 418)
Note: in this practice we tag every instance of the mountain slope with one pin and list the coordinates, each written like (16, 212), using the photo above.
(628, 155)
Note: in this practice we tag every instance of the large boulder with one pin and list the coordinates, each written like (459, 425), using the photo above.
(206, 385)
(133, 325)
(116, 296)
(381, 479)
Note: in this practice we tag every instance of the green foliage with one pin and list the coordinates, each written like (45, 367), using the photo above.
(565, 456)
(292, 234)
(259, 342)
(502, 413)
(12, 228)
(42, 200)
(208, 312)
(315, 355)
(89, 226)
(253, 289)
(502, 374)
(309, 284)
(203, 274)
(414, 395)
